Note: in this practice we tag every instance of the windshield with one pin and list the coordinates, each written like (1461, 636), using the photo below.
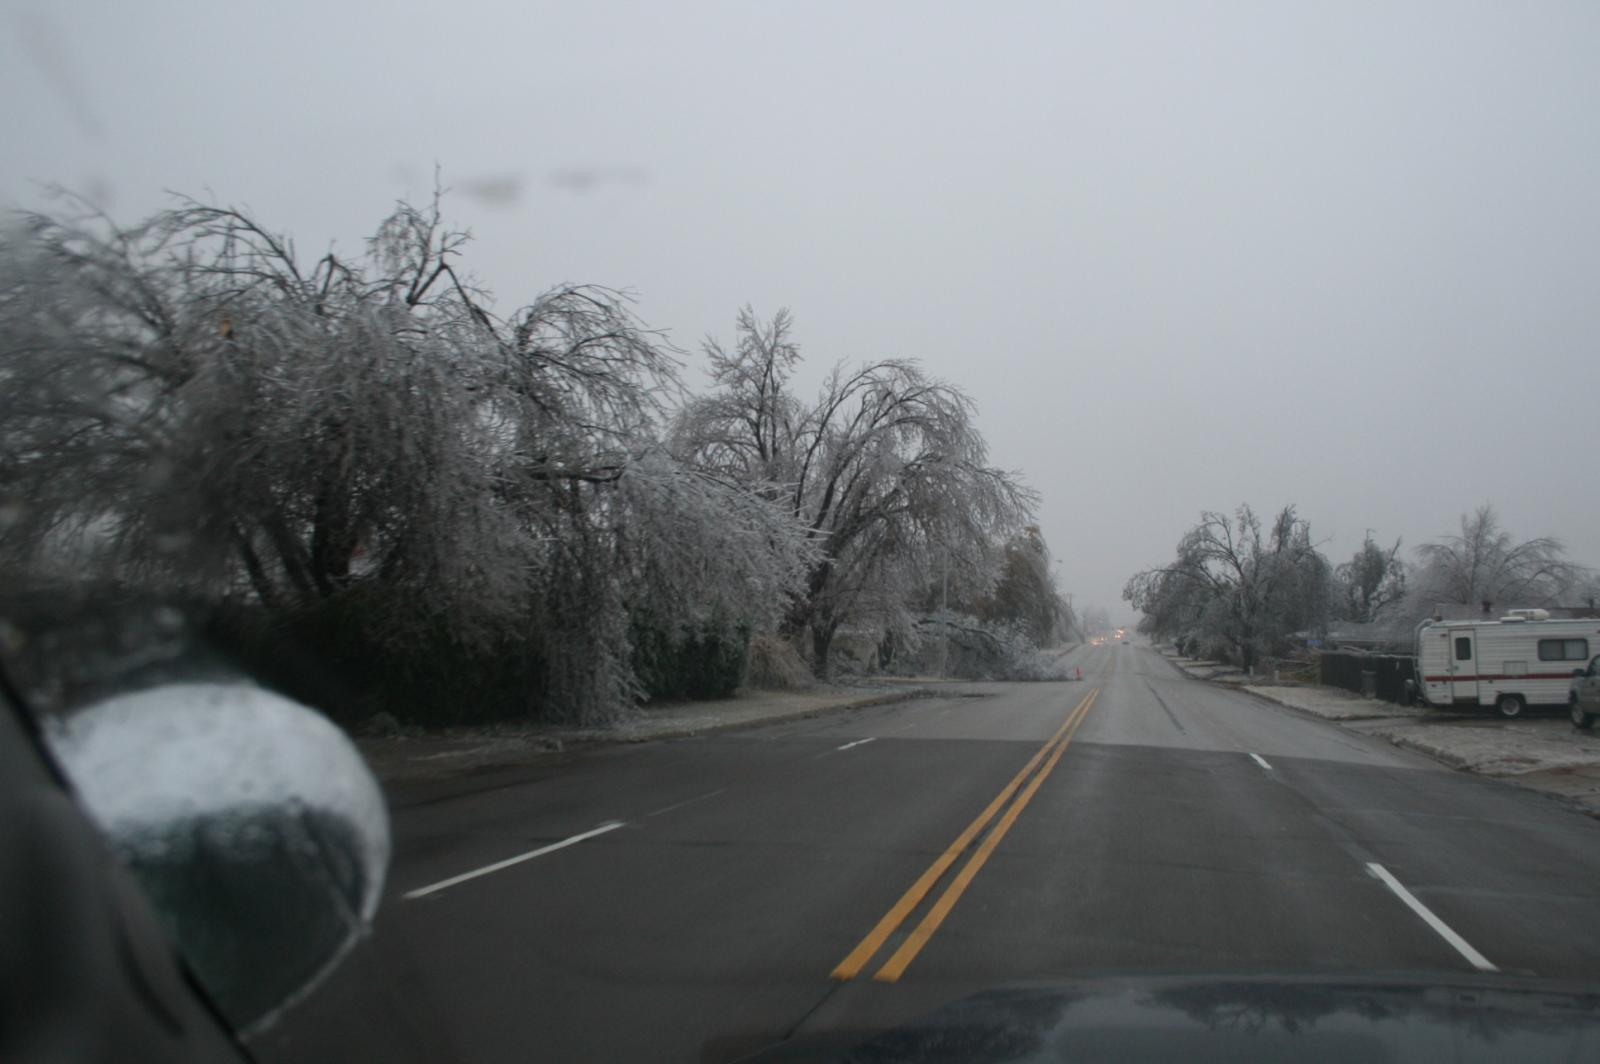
(811, 512)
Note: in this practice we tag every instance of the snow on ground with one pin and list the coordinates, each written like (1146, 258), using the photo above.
(1498, 748)
(1525, 750)
(1544, 754)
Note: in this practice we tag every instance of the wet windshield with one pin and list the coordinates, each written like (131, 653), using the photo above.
(812, 512)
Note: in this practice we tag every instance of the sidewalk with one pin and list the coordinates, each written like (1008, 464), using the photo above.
(1331, 703)
(408, 758)
(1201, 669)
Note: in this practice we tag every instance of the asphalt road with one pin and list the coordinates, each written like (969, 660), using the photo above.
(1139, 821)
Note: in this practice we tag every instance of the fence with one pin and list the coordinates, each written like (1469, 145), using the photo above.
(1379, 675)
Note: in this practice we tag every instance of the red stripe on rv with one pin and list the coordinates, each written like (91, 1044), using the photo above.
(1524, 676)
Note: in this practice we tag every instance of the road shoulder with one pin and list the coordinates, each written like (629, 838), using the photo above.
(1540, 754)
(410, 757)
(1544, 754)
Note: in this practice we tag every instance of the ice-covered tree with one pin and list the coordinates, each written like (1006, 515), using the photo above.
(1584, 591)
(885, 469)
(188, 404)
(1025, 596)
(1485, 565)
(1371, 583)
(1237, 586)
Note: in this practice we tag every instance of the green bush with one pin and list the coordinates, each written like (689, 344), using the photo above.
(706, 662)
(335, 657)
(362, 652)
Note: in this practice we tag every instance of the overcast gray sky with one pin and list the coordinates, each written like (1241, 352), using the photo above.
(1345, 255)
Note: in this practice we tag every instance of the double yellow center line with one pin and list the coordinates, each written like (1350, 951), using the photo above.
(896, 965)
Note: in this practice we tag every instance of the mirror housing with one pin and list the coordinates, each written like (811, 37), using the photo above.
(252, 824)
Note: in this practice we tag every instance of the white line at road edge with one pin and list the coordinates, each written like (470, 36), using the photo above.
(1474, 958)
(1262, 762)
(431, 888)
(858, 742)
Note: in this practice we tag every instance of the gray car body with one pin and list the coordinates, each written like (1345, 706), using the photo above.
(1585, 695)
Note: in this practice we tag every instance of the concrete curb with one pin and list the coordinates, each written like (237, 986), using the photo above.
(687, 732)
(451, 775)
(1313, 714)
(1299, 711)
(1444, 757)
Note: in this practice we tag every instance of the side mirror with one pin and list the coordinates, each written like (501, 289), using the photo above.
(257, 832)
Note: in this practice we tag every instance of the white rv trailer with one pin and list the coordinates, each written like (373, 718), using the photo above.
(1524, 659)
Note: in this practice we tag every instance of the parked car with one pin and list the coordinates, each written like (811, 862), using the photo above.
(1584, 698)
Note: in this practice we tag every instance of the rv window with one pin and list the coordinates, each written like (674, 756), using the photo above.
(1563, 650)
(1463, 648)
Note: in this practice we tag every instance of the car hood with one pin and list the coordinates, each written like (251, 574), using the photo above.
(1304, 1019)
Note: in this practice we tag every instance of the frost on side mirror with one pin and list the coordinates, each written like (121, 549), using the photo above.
(256, 830)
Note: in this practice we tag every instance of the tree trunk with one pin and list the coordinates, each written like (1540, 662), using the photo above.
(291, 555)
(252, 565)
(332, 543)
(821, 644)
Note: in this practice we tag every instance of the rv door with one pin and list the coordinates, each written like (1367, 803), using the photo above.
(1464, 665)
